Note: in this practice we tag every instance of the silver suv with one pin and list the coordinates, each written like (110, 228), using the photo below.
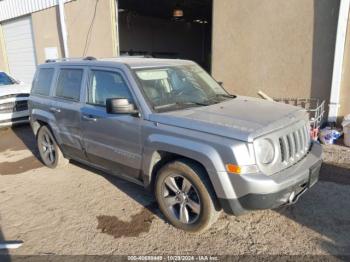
(168, 126)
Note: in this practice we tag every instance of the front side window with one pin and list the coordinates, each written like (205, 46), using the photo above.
(178, 87)
(106, 84)
(69, 83)
(42, 82)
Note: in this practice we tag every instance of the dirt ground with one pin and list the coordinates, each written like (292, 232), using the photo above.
(77, 210)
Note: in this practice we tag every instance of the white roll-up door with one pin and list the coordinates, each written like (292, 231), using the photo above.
(20, 50)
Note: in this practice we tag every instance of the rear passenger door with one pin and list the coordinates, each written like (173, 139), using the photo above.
(111, 141)
(66, 109)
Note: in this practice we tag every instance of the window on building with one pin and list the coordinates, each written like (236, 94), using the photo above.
(106, 84)
(42, 83)
(69, 84)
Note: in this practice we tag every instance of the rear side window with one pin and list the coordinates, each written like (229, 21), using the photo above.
(69, 83)
(42, 82)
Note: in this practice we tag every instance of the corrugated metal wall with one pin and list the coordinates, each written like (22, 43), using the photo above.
(20, 48)
(15, 8)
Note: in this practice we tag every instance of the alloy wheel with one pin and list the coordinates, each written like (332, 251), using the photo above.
(48, 148)
(181, 199)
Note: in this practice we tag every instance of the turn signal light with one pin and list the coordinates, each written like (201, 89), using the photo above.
(231, 168)
(239, 170)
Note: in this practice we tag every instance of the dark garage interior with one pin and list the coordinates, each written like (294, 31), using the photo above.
(166, 29)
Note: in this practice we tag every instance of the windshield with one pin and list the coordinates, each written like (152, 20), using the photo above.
(178, 87)
(5, 79)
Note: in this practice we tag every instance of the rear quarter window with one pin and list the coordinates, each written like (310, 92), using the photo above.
(69, 84)
(42, 82)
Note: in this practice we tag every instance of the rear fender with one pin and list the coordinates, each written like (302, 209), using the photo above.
(38, 115)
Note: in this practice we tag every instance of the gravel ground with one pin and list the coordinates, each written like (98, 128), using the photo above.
(77, 210)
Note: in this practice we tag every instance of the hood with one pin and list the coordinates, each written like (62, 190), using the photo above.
(242, 118)
(14, 89)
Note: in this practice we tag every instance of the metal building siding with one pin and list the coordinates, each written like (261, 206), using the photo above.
(19, 44)
(15, 8)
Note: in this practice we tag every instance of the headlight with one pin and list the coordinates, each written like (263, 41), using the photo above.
(265, 151)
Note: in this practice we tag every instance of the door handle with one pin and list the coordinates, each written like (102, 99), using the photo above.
(89, 118)
(55, 110)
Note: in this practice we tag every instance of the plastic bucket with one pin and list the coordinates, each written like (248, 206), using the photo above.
(346, 130)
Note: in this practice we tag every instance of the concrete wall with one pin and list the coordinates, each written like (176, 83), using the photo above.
(345, 83)
(90, 30)
(46, 31)
(285, 48)
(3, 60)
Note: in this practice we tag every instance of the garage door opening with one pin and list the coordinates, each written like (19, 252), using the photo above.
(166, 29)
(20, 49)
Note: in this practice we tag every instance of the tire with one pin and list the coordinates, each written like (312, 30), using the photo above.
(194, 206)
(50, 154)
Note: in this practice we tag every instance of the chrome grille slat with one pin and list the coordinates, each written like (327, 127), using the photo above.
(16, 106)
(287, 148)
(302, 140)
(14, 95)
(297, 143)
(307, 135)
(291, 146)
(284, 149)
(307, 130)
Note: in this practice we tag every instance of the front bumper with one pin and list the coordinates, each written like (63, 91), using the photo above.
(10, 119)
(285, 187)
(13, 110)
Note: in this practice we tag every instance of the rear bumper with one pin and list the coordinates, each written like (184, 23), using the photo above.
(290, 184)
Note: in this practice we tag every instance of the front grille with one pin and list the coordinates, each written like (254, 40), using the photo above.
(14, 95)
(294, 145)
(12, 107)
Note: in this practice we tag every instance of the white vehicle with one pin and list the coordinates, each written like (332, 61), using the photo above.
(13, 101)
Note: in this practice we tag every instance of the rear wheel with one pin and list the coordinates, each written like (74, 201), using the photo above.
(185, 196)
(50, 153)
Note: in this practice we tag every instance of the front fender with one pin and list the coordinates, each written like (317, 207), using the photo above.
(202, 153)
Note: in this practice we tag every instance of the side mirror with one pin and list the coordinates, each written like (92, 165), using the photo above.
(120, 106)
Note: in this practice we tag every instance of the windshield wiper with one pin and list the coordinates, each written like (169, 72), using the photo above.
(218, 98)
(225, 95)
(193, 103)
(181, 104)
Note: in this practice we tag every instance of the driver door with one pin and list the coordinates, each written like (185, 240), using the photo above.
(111, 141)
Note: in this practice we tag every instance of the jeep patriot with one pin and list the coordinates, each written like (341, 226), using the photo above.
(169, 126)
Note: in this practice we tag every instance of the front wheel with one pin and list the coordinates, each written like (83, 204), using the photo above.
(50, 153)
(185, 196)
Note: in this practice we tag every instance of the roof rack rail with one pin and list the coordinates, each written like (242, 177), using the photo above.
(50, 60)
(136, 56)
(88, 58)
